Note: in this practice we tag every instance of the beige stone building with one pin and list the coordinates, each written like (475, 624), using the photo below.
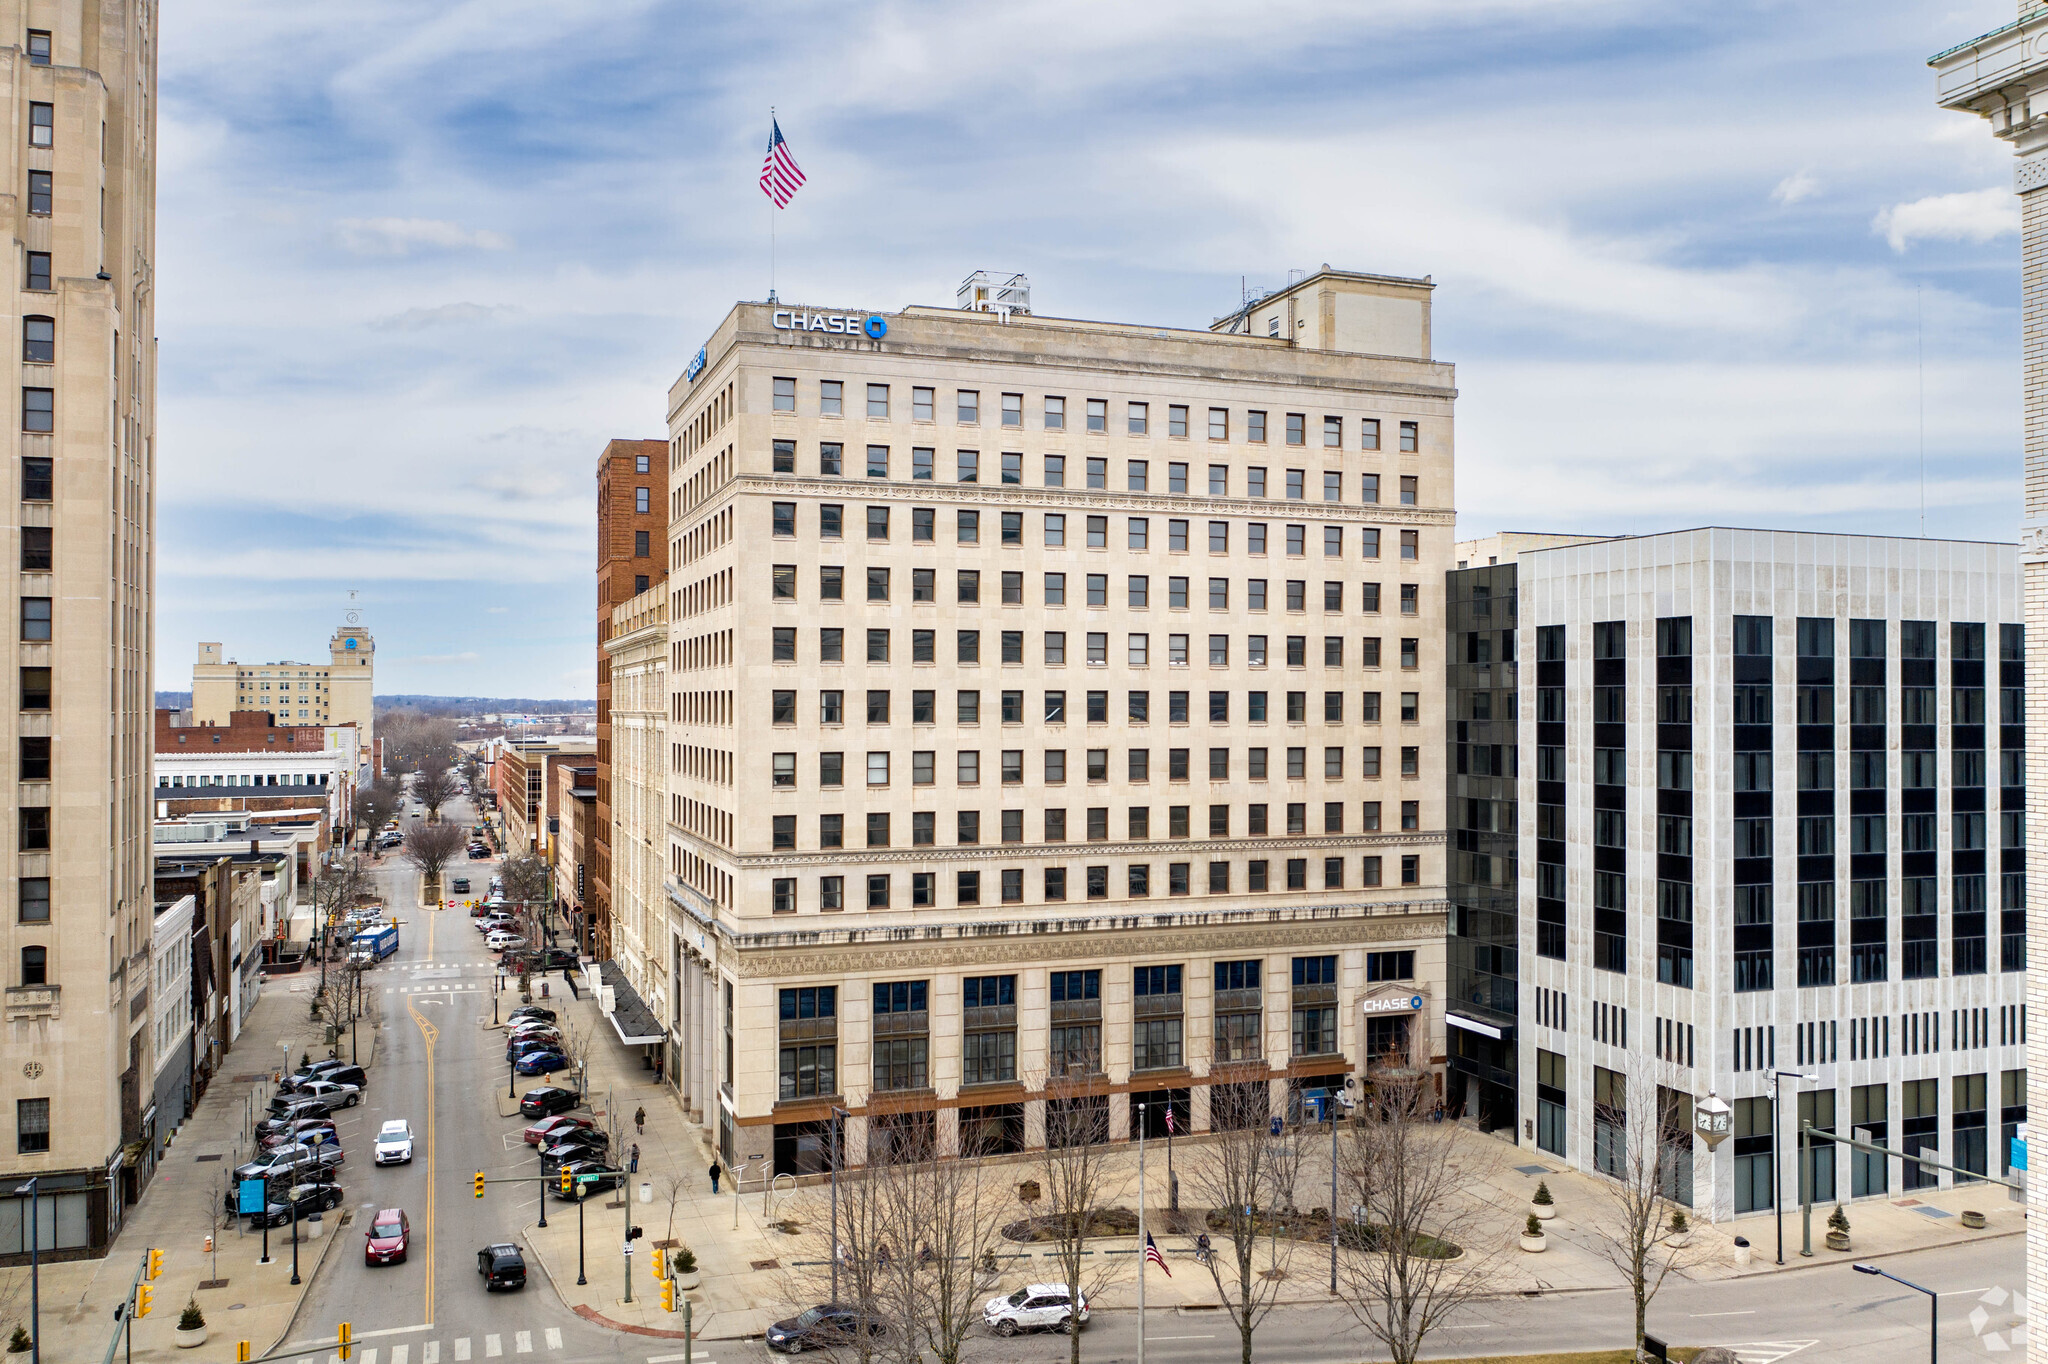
(1054, 697)
(337, 692)
(80, 86)
(637, 646)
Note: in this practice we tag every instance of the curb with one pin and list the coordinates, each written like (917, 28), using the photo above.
(306, 1289)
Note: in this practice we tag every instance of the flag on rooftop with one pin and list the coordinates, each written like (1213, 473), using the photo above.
(1152, 1254)
(780, 176)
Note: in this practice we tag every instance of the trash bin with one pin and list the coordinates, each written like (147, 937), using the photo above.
(1741, 1251)
(646, 1191)
(312, 1227)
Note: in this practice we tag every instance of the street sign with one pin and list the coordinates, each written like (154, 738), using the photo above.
(629, 1250)
(251, 1196)
(1273, 1125)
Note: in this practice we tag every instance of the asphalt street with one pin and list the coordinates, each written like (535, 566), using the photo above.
(440, 1065)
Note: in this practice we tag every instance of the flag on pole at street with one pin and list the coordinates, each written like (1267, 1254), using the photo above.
(1169, 1117)
(780, 176)
(1152, 1254)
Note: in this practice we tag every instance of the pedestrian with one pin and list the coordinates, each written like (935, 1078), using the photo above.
(714, 1172)
(570, 976)
(640, 1121)
(633, 1161)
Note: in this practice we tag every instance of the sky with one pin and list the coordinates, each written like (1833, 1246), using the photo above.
(417, 262)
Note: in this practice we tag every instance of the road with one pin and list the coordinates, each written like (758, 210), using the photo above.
(441, 1066)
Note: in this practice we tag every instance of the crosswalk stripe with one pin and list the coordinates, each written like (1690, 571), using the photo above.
(554, 1337)
(461, 1349)
(399, 1353)
(522, 1342)
(492, 1347)
(370, 1355)
(430, 1352)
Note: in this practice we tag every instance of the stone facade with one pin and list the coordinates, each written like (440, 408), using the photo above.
(1134, 688)
(338, 692)
(636, 649)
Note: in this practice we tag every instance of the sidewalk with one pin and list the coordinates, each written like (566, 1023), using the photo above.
(744, 1283)
(241, 1298)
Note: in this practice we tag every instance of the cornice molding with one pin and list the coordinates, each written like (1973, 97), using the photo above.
(1174, 850)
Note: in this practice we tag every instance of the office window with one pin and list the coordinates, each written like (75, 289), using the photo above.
(35, 618)
(39, 192)
(38, 271)
(1410, 437)
(1297, 429)
(1136, 419)
(38, 409)
(39, 55)
(32, 1116)
(967, 407)
(1219, 423)
(36, 549)
(34, 829)
(1177, 420)
(35, 688)
(785, 396)
(39, 347)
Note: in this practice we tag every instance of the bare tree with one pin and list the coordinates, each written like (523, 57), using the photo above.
(1409, 1178)
(335, 891)
(1246, 1176)
(376, 803)
(673, 1185)
(1642, 1143)
(529, 883)
(416, 742)
(576, 1044)
(1076, 1177)
(947, 1209)
(850, 1252)
(434, 787)
(429, 847)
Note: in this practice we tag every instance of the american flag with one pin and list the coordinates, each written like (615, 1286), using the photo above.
(1169, 1118)
(780, 177)
(1152, 1254)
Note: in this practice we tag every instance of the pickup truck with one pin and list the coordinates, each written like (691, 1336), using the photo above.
(373, 944)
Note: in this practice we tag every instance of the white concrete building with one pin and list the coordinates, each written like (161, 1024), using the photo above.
(319, 780)
(171, 1011)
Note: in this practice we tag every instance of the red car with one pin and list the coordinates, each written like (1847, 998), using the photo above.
(548, 1131)
(386, 1240)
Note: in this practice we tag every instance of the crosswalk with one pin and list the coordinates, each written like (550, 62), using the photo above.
(497, 1345)
(437, 987)
(1769, 1351)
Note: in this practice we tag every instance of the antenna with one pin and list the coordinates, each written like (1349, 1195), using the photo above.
(1920, 365)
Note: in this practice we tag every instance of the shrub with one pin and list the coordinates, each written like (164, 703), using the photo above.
(19, 1343)
(685, 1261)
(1542, 1198)
(191, 1319)
(1679, 1224)
(1838, 1220)
(1533, 1227)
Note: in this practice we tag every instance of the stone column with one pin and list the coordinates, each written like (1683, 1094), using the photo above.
(1997, 78)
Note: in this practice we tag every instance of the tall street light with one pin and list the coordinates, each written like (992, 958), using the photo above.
(1778, 1078)
(1933, 1307)
(35, 1271)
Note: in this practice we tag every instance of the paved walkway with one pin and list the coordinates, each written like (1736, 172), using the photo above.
(242, 1298)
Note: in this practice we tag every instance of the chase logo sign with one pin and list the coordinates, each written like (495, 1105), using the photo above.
(696, 367)
(1397, 1004)
(873, 326)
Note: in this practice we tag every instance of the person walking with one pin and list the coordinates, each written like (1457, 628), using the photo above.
(640, 1121)
(714, 1172)
(633, 1161)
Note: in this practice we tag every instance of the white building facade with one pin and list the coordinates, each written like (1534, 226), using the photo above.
(1773, 790)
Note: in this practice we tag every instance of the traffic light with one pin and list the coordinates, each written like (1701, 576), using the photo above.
(156, 1264)
(668, 1295)
(660, 1263)
(479, 1183)
(144, 1295)
(343, 1337)
(243, 1353)
(565, 1179)
(633, 1233)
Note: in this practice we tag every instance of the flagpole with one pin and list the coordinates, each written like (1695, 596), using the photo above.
(771, 226)
(1141, 1234)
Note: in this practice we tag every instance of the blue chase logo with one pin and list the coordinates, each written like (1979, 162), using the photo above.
(876, 327)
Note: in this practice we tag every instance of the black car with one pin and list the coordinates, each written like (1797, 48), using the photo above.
(823, 1327)
(307, 1198)
(340, 1072)
(543, 959)
(581, 1188)
(283, 1117)
(502, 1267)
(533, 1011)
(548, 1100)
(460, 885)
(479, 854)
(580, 1143)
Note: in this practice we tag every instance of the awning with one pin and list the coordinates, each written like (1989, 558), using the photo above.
(631, 1018)
(1472, 1025)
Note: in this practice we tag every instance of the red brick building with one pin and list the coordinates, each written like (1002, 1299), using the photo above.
(632, 556)
(247, 731)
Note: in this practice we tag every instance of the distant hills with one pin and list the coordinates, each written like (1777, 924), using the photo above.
(436, 705)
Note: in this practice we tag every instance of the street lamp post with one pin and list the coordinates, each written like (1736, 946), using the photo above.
(1778, 1078)
(35, 1270)
(289, 1196)
(837, 1114)
(1933, 1307)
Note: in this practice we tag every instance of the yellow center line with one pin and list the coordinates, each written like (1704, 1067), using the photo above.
(431, 1034)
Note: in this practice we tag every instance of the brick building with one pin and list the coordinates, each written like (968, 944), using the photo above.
(630, 529)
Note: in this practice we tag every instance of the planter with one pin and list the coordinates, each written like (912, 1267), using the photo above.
(1680, 1240)
(1543, 1211)
(189, 1340)
(688, 1281)
(1533, 1244)
(1973, 1220)
(1838, 1240)
(1741, 1251)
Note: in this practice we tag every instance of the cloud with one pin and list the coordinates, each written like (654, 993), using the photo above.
(1793, 188)
(419, 319)
(399, 236)
(1975, 216)
(441, 660)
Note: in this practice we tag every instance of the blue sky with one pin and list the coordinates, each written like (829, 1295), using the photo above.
(417, 262)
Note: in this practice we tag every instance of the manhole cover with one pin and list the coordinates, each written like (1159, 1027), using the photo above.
(236, 1306)
(201, 1160)
(1532, 1169)
(767, 1264)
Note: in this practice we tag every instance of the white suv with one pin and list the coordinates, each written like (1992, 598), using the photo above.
(1036, 1307)
(394, 1143)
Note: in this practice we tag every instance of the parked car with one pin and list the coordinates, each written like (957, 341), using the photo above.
(548, 1100)
(1035, 1307)
(306, 1199)
(532, 1011)
(529, 1046)
(287, 1159)
(496, 921)
(501, 941)
(346, 1075)
(334, 1095)
(386, 1241)
(543, 1062)
(459, 885)
(311, 1131)
(583, 1143)
(502, 1267)
(543, 959)
(542, 1132)
(394, 1143)
(305, 1075)
(479, 853)
(608, 1178)
(539, 1032)
(274, 1188)
(285, 1111)
(824, 1327)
